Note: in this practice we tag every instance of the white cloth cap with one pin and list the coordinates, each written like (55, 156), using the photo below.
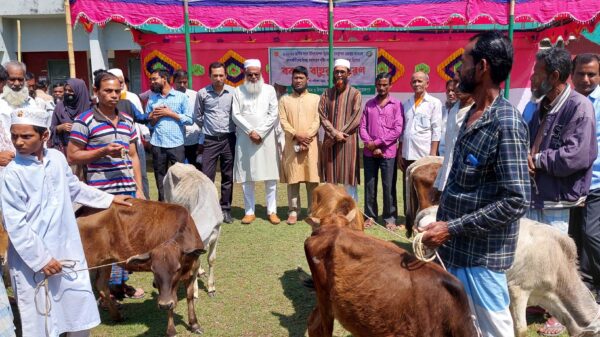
(31, 115)
(117, 72)
(252, 63)
(342, 63)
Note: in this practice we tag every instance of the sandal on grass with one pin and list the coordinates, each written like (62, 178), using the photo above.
(391, 226)
(368, 223)
(551, 328)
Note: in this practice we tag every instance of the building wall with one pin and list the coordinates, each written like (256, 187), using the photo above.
(31, 7)
(50, 34)
(37, 62)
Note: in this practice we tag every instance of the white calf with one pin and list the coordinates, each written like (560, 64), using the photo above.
(186, 186)
(544, 273)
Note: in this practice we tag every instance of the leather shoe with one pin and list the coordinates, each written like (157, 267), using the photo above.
(292, 219)
(227, 217)
(274, 219)
(248, 218)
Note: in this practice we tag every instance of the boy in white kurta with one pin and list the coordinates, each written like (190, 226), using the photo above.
(37, 195)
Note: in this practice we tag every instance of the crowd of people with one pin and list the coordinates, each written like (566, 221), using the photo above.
(61, 144)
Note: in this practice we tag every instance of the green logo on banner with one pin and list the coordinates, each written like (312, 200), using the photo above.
(198, 70)
(423, 67)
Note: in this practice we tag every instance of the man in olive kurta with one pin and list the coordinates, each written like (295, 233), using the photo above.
(340, 110)
(299, 118)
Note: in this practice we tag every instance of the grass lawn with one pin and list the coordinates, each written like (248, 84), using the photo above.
(259, 272)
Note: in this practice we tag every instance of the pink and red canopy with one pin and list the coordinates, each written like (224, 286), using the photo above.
(312, 14)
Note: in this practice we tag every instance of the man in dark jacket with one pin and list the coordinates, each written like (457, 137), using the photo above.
(563, 143)
(563, 146)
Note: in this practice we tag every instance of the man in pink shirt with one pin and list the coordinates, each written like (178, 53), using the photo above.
(380, 128)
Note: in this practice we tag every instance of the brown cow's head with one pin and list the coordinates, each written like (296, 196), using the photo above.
(330, 199)
(169, 262)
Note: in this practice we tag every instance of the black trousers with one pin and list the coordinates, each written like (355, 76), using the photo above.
(191, 152)
(372, 166)
(220, 149)
(162, 158)
(585, 230)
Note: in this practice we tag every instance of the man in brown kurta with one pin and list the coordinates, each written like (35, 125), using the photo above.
(299, 118)
(340, 111)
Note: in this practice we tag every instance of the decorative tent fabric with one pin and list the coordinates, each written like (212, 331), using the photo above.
(312, 14)
(399, 54)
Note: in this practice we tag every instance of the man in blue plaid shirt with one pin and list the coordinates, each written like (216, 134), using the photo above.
(488, 189)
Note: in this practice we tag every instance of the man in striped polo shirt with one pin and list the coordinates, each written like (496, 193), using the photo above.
(104, 140)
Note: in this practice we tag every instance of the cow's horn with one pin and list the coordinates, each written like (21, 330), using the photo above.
(138, 258)
(195, 251)
(351, 215)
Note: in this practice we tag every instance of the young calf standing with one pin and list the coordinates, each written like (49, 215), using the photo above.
(376, 289)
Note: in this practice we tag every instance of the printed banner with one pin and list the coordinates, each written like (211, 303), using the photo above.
(363, 62)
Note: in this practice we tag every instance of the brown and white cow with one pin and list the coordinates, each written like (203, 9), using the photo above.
(377, 289)
(151, 236)
(419, 192)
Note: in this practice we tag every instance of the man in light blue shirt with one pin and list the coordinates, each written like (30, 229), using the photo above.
(585, 224)
(168, 111)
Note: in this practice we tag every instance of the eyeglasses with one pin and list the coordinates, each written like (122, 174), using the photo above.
(252, 74)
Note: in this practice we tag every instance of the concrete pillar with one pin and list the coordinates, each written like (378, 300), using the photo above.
(98, 55)
(6, 52)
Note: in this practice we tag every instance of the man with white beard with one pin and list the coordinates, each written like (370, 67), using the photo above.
(255, 113)
(15, 93)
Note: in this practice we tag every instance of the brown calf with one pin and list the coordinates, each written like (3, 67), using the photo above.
(151, 236)
(376, 289)
(330, 198)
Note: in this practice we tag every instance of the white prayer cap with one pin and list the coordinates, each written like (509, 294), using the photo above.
(31, 115)
(252, 63)
(117, 72)
(342, 63)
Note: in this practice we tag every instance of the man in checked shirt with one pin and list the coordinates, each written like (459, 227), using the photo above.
(488, 189)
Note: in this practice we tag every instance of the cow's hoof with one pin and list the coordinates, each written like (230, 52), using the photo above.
(212, 294)
(196, 329)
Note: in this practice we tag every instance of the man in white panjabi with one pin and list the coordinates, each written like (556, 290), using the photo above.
(38, 191)
(255, 113)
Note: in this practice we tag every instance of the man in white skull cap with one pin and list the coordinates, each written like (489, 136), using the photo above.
(255, 113)
(340, 109)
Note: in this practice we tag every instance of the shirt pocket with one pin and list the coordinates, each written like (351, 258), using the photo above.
(389, 120)
(468, 176)
(475, 164)
(422, 124)
(211, 104)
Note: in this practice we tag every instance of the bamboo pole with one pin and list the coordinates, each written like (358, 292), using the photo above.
(511, 28)
(188, 44)
(70, 51)
(19, 40)
(331, 43)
